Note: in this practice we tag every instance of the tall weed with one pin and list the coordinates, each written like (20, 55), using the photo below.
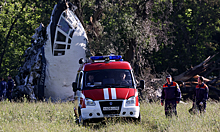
(56, 117)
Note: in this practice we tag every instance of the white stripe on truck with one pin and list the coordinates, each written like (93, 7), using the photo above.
(113, 92)
(106, 95)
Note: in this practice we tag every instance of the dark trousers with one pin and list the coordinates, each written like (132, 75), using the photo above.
(1, 95)
(201, 108)
(170, 107)
(9, 95)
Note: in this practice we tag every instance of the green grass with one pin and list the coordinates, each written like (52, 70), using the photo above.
(59, 117)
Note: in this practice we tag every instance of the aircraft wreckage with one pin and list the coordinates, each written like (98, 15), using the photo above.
(51, 63)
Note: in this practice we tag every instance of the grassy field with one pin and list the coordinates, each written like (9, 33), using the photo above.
(59, 117)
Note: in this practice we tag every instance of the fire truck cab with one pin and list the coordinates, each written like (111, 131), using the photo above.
(105, 87)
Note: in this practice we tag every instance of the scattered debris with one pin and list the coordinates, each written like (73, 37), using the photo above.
(187, 81)
(51, 63)
(29, 74)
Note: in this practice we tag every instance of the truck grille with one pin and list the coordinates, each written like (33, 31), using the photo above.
(111, 107)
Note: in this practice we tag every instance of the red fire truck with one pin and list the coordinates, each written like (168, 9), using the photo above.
(105, 87)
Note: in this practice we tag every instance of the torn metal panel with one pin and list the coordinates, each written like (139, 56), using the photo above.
(66, 44)
(51, 62)
(30, 72)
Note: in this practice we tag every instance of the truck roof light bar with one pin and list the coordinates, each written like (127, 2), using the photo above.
(115, 57)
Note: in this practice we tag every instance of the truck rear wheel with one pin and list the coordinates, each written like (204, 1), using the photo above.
(139, 117)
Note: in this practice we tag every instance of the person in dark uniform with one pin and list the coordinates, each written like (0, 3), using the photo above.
(200, 95)
(91, 80)
(10, 88)
(171, 94)
(122, 81)
(3, 86)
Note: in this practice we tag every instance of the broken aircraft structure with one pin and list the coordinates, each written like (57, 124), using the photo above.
(51, 63)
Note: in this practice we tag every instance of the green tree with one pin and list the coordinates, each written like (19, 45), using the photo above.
(18, 19)
(195, 22)
(128, 28)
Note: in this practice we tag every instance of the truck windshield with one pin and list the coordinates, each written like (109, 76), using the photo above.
(108, 78)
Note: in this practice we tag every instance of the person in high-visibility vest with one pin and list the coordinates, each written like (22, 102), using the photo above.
(171, 94)
(201, 95)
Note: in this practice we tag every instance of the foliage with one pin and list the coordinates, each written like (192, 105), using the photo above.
(154, 36)
(132, 29)
(18, 20)
(195, 25)
(48, 116)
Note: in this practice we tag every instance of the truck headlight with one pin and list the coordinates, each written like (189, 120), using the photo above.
(89, 102)
(130, 101)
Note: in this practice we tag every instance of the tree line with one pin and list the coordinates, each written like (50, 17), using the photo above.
(153, 35)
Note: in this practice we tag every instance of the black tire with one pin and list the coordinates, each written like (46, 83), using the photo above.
(81, 121)
(85, 122)
(80, 116)
(139, 117)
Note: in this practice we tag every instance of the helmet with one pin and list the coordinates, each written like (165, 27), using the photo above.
(168, 76)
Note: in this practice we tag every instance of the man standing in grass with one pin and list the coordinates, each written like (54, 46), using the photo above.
(200, 95)
(3, 86)
(10, 88)
(171, 94)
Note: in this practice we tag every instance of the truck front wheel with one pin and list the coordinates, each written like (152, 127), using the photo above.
(137, 119)
(81, 121)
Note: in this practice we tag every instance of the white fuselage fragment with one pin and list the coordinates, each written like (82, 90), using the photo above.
(63, 55)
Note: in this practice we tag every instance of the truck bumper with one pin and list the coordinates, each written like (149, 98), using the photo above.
(92, 112)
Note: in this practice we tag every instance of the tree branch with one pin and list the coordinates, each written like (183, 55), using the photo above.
(9, 33)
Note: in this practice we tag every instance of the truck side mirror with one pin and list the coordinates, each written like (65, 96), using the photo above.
(142, 84)
(74, 85)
